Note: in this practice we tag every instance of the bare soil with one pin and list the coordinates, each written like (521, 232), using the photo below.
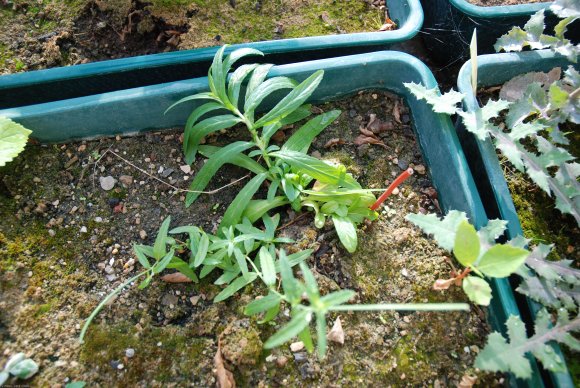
(48, 33)
(65, 243)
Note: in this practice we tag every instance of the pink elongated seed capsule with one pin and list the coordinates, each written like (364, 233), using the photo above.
(400, 179)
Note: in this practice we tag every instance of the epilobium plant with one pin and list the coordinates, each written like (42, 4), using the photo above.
(289, 169)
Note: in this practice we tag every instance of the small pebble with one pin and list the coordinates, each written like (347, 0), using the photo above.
(107, 183)
(98, 220)
(297, 346)
(130, 352)
(120, 366)
(142, 234)
(84, 229)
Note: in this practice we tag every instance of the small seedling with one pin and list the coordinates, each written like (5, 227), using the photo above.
(18, 366)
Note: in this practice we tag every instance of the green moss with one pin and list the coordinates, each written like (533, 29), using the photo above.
(161, 353)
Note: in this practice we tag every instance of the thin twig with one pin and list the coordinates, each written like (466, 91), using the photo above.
(296, 219)
(177, 189)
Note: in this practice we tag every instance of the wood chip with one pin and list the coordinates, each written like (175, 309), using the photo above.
(176, 277)
(333, 142)
(467, 381)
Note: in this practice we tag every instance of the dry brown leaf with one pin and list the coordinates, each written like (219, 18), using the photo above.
(362, 139)
(366, 132)
(336, 334)
(176, 277)
(515, 88)
(388, 26)
(397, 112)
(443, 284)
(467, 381)
(377, 126)
(333, 142)
(225, 378)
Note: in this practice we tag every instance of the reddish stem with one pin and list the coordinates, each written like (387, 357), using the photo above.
(400, 179)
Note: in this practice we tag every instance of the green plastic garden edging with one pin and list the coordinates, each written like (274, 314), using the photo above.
(141, 109)
(449, 25)
(495, 69)
(99, 77)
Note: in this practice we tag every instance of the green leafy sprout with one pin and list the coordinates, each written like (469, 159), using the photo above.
(294, 177)
(18, 366)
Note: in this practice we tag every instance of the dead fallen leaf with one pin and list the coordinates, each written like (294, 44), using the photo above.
(336, 334)
(176, 277)
(377, 126)
(515, 88)
(467, 381)
(388, 26)
(397, 112)
(443, 284)
(362, 139)
(225, 378)
(279, 136)
(366, 132)
(333, 142)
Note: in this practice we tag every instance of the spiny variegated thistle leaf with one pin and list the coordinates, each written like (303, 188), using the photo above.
(446, 103)
(532, 35)
(477, 122)
(552, 270)
(566, 8)
(491, 232)
(501, 356)
(443, 230)
(13, 138)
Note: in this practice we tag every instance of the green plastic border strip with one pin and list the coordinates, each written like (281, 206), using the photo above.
(407, 13)
(141, 109)
(495, 69)
(501, 11)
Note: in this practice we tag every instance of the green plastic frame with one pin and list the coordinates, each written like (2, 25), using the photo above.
(99, 77)
(495, 69)
(141, 109)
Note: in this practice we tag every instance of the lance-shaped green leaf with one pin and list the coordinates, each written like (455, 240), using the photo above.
(235, 286)
(204, 128)
(477, 290)
(233, 214)
(260, 305)
(264, 90)
(217, 77)
(346, 231)
(299, 114)
(258, 76)
(258, 207)
(198, 96)
(446, 103)
(301, 139)
(202, 250)
(240, 160)
(317, 169)
(290, 330)
(183, 267)
(13, 138)
(443, 230)
(238, 54)
(160, 240)
(267, 267)
(236, 80)
(192, 120)
(293, 100)
(466, 247)
(225, 155)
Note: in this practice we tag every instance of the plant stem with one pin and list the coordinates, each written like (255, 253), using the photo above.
(105, 301)
(400, 179)
(403, 307)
